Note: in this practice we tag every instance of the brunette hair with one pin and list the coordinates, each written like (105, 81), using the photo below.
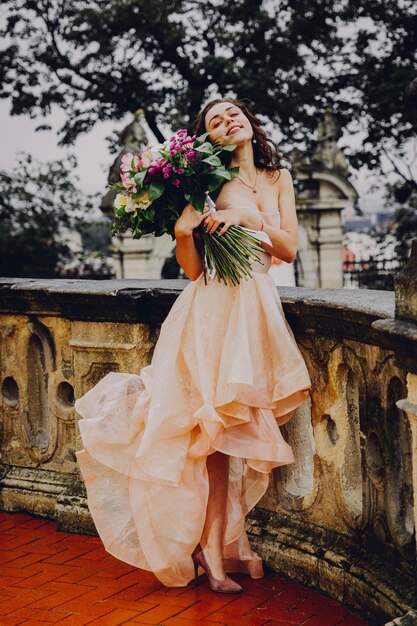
(265, 153)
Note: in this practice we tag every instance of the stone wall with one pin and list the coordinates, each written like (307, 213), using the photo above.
(352, 536)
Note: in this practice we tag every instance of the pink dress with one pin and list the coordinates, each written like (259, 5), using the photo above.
(225, 373)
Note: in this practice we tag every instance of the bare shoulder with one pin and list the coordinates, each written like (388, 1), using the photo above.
(278, 178)
(285, 178)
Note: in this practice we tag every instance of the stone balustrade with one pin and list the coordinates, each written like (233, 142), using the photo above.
(352, 535)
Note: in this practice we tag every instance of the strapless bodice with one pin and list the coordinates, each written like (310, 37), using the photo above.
(273, 218)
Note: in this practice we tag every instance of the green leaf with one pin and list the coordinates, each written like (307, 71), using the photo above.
(116, 186)
(212, 160)
(198, 201)
(229, 147)
(206, 147)
(220, 171)
(200, 140)
(139, 178)
(214, 182)
(234, 171)
(156, 189)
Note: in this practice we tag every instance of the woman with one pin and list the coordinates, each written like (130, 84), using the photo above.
(174, 458)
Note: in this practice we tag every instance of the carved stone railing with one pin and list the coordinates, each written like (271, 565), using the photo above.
(352, 537)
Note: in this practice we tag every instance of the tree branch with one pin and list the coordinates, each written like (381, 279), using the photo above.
(151, 119)
(406, 179)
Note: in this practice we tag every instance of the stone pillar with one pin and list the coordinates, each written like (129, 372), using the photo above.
(140, 258)
(134, 258)
(320, 256)
(322, 192)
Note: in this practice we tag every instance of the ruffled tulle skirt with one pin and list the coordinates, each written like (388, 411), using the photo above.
(225, 373)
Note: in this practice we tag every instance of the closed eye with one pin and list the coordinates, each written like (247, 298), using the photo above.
(232, 115)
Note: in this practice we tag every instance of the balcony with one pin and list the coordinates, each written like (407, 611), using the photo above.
(352, 536)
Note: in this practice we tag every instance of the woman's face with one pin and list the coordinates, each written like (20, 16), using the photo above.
(226, 123)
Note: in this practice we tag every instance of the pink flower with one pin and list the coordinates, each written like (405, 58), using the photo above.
(152, 170)
(126, 163)
(212, 167)
(148, 156)
(145, 162)
(166, 175)
(177, 182)
(128, 183)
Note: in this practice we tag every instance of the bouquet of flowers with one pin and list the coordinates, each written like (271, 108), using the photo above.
(157, 184)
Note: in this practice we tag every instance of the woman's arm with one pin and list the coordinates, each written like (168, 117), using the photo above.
(188, 256)
(189, 251)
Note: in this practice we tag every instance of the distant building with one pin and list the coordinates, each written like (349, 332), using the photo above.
(385, 219)
(358, 224)
(349, 258)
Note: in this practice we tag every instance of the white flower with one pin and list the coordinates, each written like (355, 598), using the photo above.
(120, 201)
(130, 206)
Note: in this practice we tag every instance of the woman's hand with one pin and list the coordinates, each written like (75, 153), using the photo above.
(230, 217)
(189, 220)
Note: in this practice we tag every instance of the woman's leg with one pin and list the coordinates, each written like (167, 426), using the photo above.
(211, 539)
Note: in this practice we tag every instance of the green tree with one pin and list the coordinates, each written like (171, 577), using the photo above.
(98, 60)
(40, 205)
(405, 218)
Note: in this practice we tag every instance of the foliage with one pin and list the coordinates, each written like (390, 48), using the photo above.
(39, 207)
(405, 220)
(86, 264)
(98, 60)
(392, 242)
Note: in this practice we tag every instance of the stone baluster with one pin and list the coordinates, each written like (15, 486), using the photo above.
(405, 285)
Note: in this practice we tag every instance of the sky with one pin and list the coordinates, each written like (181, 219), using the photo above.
(94, 160)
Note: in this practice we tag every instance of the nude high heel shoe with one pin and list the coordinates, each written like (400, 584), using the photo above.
(220, 586)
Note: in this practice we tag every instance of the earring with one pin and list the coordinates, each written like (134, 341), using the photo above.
(253, 140)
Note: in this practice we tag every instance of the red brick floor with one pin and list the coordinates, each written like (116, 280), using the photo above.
(56, 577)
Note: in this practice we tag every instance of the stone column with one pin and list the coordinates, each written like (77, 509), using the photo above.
(320, 248)
(140, 258)
(322, 192)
